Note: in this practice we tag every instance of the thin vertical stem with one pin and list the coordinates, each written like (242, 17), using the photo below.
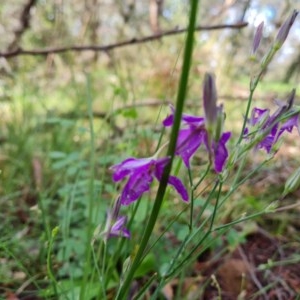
(123, 291)
(89, 232)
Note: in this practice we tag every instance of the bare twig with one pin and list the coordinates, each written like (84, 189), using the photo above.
(133, 41)
(288, 207)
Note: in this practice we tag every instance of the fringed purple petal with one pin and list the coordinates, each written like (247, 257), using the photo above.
(128, 166)
(174, 181)
(267, 143)
(188, 119)
(159, 167)
(188, 142)
(290, 123)
(119, 229)
(257, 115)
(193, 120)
(168, 121)
(179, 187)
(225, 137)
(221, 152)
(138, 183)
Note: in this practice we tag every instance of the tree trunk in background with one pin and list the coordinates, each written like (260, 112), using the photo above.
(155, 11)
(24, 24)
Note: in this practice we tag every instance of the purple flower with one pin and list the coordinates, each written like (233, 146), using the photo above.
(270, 126)
(119, 229)
(115, 224)
(140, 173)
(188, 142)
(188, 119)
(192, 135)
(220, 151)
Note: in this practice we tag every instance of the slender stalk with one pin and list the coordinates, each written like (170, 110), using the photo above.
(209, 197)
(190, 236)
(202, 177)
(181, 281)
(117, 254)
(123, 291)
(89, 231)
(216, 207)
(192, 200)
(189, 256)
(243, 219)
(253, 85)
(163, 233)
(49, 261)
(246, 116)
(143, 290)
(97, 270)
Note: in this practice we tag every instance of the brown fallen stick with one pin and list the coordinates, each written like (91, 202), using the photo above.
(19, 51)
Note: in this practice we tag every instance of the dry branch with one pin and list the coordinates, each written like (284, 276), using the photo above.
(133, 41)
(24, 25)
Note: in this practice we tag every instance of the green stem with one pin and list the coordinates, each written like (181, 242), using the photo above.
(252, 89)
(98, 271)
(118, 253)
(253, 85)
(192, 201)
(89, 232)
(164, 231)
(202, 178)
(209, 197)
(243, 219)
(140, 295)
(238, 184)
(49, 261)
(123, 291)
(200, 229)
(216, 207)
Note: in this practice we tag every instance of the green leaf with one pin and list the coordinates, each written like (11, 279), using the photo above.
(147, 265)
(130, 113)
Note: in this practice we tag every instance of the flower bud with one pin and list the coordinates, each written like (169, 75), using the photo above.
(284, 29)
(257, 37)
(54, 232)
(219, 122)
(210, 99)
(291, 98)
(116, 208)
(292, 183)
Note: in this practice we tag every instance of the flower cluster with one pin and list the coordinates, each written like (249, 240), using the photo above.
(193, 135)
(115, 224)
(140, 172)
(266, 129)
(263, 133)
(206, 130)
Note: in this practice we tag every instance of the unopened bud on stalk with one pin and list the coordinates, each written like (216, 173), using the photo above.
(257, 37)
(292, 183)
(280, 39)
(219, 122)
(291, 98)
(210, 100)
(284, 29)
(116, 208)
